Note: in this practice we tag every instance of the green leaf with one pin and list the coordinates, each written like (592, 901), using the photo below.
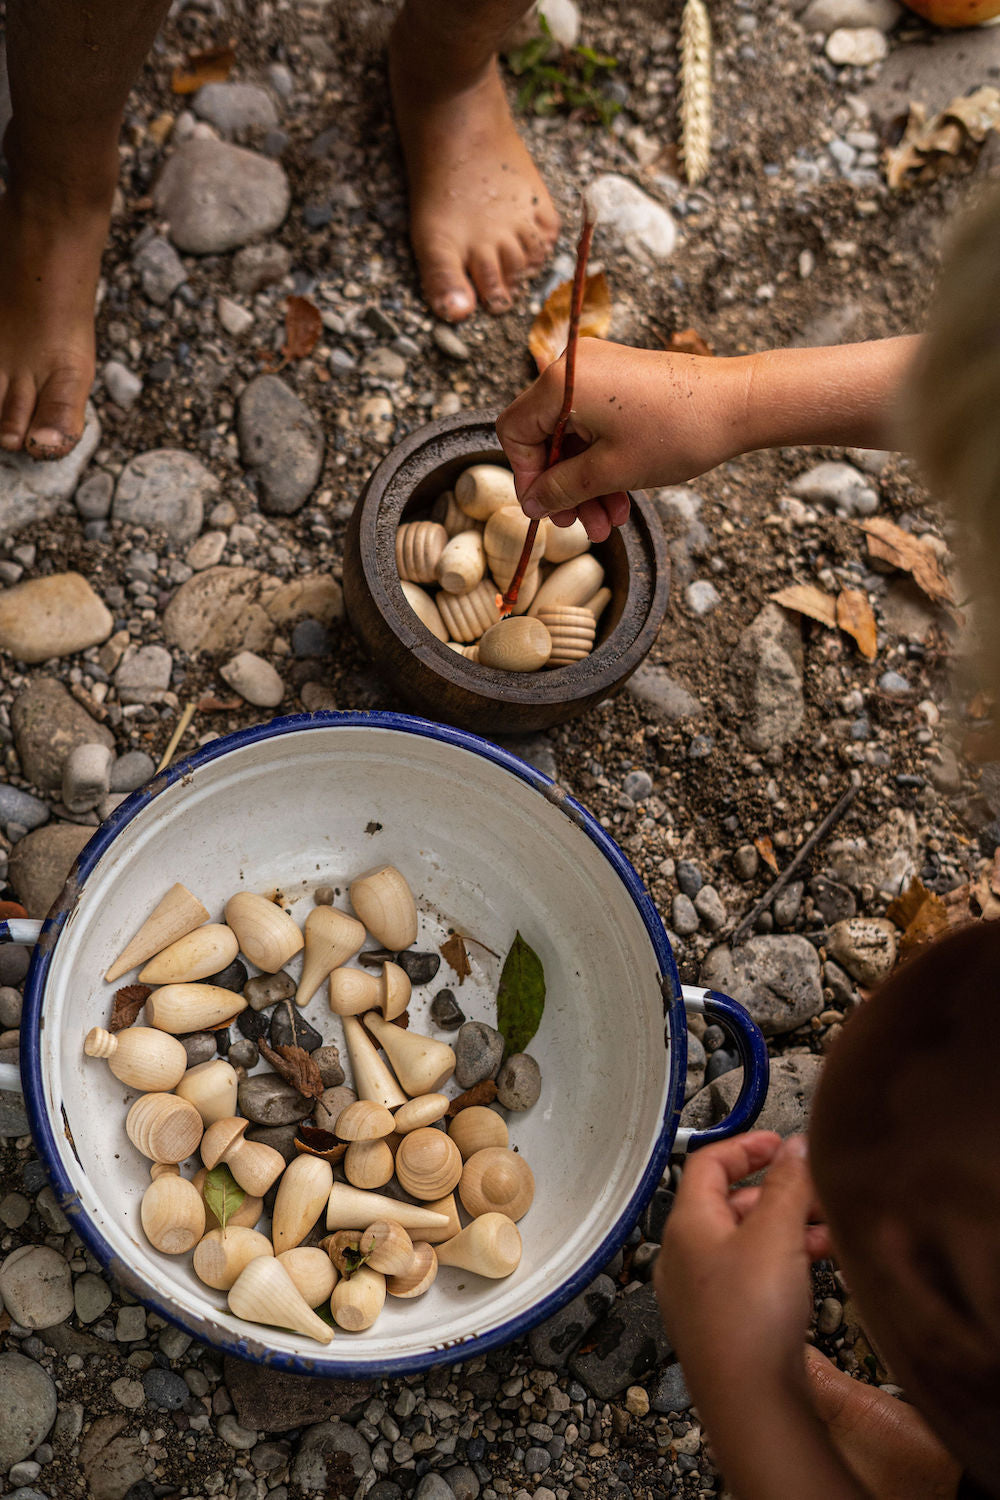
(521, 996)
(223, 1194)
(325, 1312)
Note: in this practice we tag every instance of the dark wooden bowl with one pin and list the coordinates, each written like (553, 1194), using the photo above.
(434, 680)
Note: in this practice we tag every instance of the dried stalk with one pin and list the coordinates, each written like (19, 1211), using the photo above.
(176, 737)
(696, 90)
(509, 599)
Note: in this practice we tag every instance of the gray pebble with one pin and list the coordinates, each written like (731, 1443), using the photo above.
(36, 1286)
(267, 989)
(478, 1053)
(17, 806)
(86, 775)
(310, 638)
(709, 906)
(895, 685)
(131, 1325)
(200, 1047)
(122, 384)
(91, 1297)
(829, 1317)
(449, 342)
(165, 1390)
(721, 1061)
(638, 785)
(267, 1099)
(787, 902)
(244, 1054)
(433, 1487)
(166, 488)
(669, 1391)
(519, 1082)
(420, 968)
(684, 916)
(713, 1038)
(160, 269)
(289, 1028)
(235, 108)
(334, 1101)
(258, 266)
(131, 771)
(281, 441)
(327, 1060)
(446, 1013)
(144, 675)
(280, 1138)
(746, 862)
(689, 877)
(232, 977)
(93, 496)
(834, 902)
(702, 597)
(230, 1431)
(29, 1407)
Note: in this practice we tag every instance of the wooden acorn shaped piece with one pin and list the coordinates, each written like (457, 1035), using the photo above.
(352, 1208)
(357, 1300)
(163, 1127)
(518, 644)
(387, 1246)
(302, 1195)
(425, 609)
(312, 1271)
(353, 991)
(255, 1166)
(372, 1077)
(497, 1180)
(464, 617)
(503, 541)
(449, 514)
(483, 488)
(476, 1128)
(385, 904)
(141, 1056)
(207, 950)
(428, 1163)
(421, 1063)
(394, 991)
(425, 1109)
(490, 1246)
(211, 1087)
(172, 1214)
(223, 1254)
(245, 1216)
(369, 1164)
(419, 544)
(564, 542)
(265, 1293)
(365, 1120)
(177, 914)
(418, 1276)
(462, 563)
(267, 935)
(572, 582)
(180, 1008)
(331, 938)
(572, 629)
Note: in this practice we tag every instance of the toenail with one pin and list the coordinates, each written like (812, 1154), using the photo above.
(453, 305)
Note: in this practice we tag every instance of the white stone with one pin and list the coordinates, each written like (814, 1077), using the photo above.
(839, 485)
(254, 679)
(856, 48)
(30, 491)
(165, 487)
(833, 15)
(86, 776)
(563, 20)
(631, 218)
(143, 676)
(234, 318)
(122, 385)
(216, 197)
(206, 550)
(702, 596)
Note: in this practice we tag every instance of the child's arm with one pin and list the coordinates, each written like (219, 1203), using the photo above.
(732, 1280)
(653, 418)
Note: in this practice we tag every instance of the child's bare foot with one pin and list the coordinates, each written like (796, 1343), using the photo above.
(50, 258)
(480, 215)
(885, 1442)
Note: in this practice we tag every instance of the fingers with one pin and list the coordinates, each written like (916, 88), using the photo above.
(525, 428)
(704, 1193)
(595, 519)
(788, 1190)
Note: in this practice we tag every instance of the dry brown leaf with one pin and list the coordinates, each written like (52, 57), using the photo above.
(210, 704)
(908, 553)
(978, 113)
(981, 705)
(904, 907)
(480, 1093)
(983, 896)
(310, 1140)
(127, 1004)
(549, 331)
(688, 341)
(925, 142)
(995, 874)
(930, 921)
(806, 599)
(455, 955)
(765, 849)
(211, 66)
(295, 1066)
(303, 326)
(855, 616)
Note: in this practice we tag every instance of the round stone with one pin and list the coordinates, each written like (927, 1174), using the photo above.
(267, 1099)
(638, 785)
(29, 1408)
(216, 197)
(254, 679)
(165, 488)
(519, 1082)
(200, 1047)
(267, 989)
(91, 1297)
(419, 968)
(57, 615)
(478, 1053)
(165, 1389)
(281, 441)
(446, 1013)
(36, 1286)
(131, 771)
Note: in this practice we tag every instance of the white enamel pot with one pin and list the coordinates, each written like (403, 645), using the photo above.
(490, 847)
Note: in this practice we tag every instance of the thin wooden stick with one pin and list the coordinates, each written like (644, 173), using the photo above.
(509, 599)
(176, 738)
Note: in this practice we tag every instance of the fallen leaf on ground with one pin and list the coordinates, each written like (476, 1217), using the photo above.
(930, 921)
(765, 849)
(925, 143)
(910, 555)
(550, 330)
(904, 907)
(455, 955)
(210, 704)
(296, 1066)
(855, 616)
(806, 599)
(211, 66)
(995, 874)
(127, 1004)
(303, 326)
(688, 341)
(985, 898)
(981, 705)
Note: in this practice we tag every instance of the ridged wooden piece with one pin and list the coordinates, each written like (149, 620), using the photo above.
(141, 1056)
(466, 616)
(419, 1275)
(222, 1255)
(462, 563)
(312, 1271)
(265, 1293)
(384, 903)
(331, 938)
(428, 1164)
(178, 913)
(172, 1214)
(424, 608)
(211, 1087)
(352, 1208)
(421, 1063)
(573, 582)
(503, 540)
(357, 1300)
(208, 950)
(470, 652)
(303, 1193)
(163, 1127)
(419, 544)
(497, 1180)
(477, 1127)
(179, 1008)
(268, 936)
(484, 488)
(490, 1246)
(572, 629)
(518, 644)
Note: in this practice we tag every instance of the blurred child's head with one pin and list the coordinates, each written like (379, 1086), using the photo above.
(905, 1152)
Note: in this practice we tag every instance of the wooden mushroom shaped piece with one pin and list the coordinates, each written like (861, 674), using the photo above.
(180, 1008)
(223, 1254)
(163, 1127)
(267, 935)
(302, 1195)
(385, 904)
(518, 644)
(393, 991)
(428, 1163)
(352, 1208)
(265, 1293)
(490, 1246)
(365, 1120)
(143, 1057)
(177, 914)
(421, 1063)
(357, 1300)
(372, 1078)
(497, 1180)
(312, 1271)
(331, 938)
(419, 1274)
(172, 1214)
(369, 1164)
(353, 991)
(207, 950)
(255, 1166)
(211, 1087)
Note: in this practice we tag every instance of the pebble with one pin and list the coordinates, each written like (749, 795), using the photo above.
(310, 638)
(31, 491)
(334, 1101)
(131, 771)
(629, 217)
(865, 946)
(217, 197)
(29, 1408)
(830, 15)
(17, 806)
(702, 597)
(244, 1054)
(161, 270)
(327, 1060)
(93, 496)
(519, 1082)
(91, 1297)
(895, 685)
(829, 1316)
(710, 908)
(235, 319)
(144, 675)
(689, 877)
(86, 776)
(776, 978)
(230, 1431)
(36, 1286)
(638, 785)
(746, 862)
(281, 442)
(254, 679)
(235, 109)
(200, 1047)
(684, 918)
(449, 342)
(131, 1324)
(383, 364)
(267, 1099)
(767, 675)
(128, 1393)
(839, 485)
(164, 1389)
(259, 266)
(329, 1440)
(637, 1400)
(433, 1487)
(56, 615)
(446, 1013)
(553, 1342)
(787, 902)
(206, 550)
(627, 1346)
(670, 1392)
(122, 385)
(10, 1012)
(563, 18)
(834, 902)
(377, 420)
(267, 989)
(165, 488)
(856, 47)
(289, 1028)
(478, 1053)
(420, 968)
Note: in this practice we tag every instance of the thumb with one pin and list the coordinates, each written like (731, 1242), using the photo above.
(570, 483)
(788, 1191)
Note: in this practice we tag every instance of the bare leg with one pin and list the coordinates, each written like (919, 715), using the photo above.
(886, 1443)
(71, 66)
(480, 216)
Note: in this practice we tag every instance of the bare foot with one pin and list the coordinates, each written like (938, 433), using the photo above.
(885, 1442)
(50, 259)
(480, 215)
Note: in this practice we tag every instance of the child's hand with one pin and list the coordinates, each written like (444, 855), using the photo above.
(643, 418)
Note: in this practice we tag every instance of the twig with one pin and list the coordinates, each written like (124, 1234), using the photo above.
(176, 738)
(832, 818)
(509, 599)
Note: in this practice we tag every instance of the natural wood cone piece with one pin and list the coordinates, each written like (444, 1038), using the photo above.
(462, 563)
(180, 1008)
(211, 1087)
(372, 1077)
(420, 1062)
(177, 914)
(312, 1271)
(172, 1214)
(331, 938)
(220, 1257)
(490, 1246)
(163, 1127)
(385, 904)
(141, 1056)
(302, 1195)
(255, 1166)
(208, 950)
(352, 1208)
(265, 1293)
(357, 1300)
(267, 935)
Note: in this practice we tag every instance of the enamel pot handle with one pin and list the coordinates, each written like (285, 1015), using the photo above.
(752, 1049)
(16, 930)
